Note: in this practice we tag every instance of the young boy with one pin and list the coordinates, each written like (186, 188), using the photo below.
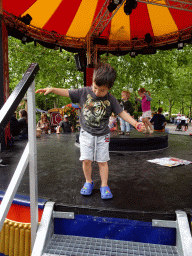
(96, 104)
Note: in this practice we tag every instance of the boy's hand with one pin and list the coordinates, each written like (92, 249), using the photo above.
(45, 91)
(140, 127)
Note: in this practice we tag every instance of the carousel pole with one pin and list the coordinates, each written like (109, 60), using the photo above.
(88, 73)
(95, 54)
(4, 70)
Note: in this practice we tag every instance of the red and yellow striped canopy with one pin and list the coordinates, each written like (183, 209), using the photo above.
(68, 23)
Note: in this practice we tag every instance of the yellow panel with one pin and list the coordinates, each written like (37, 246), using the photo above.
(161, 20)
(120, 26)
(83, 19)
(41, 11)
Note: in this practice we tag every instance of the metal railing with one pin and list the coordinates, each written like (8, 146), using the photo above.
(27, 84)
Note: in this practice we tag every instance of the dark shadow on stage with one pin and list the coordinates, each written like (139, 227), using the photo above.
(137, 185)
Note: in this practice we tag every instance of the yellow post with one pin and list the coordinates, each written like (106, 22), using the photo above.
(7, 229)
(22, 240)
(2, 244)
(16, 240)
(11, 240)
(27, 239)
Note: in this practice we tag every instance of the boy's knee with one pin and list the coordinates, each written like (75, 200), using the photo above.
(86, 162)
(102, 164)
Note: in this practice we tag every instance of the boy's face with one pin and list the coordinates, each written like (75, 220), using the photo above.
(124, 96)
(100, 91)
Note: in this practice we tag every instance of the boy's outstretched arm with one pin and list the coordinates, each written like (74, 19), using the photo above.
(58, 91)
(138, 125)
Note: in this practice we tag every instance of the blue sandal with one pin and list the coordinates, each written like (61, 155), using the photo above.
(87, 189)
(106, 193)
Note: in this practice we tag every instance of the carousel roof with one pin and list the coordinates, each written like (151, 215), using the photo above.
(79, 24)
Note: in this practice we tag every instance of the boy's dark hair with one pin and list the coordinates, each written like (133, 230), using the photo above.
(23, 113)
(104, 75)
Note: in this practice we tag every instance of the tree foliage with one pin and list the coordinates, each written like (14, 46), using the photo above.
(167, 74)
(57, 69)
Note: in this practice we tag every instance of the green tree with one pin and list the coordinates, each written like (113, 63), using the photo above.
(57, 69)
(166, 74)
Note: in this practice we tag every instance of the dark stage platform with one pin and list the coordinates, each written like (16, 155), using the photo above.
(135, 141)
(137, 185)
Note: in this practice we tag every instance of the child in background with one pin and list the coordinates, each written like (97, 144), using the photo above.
(146, 108)
(112, 122)
(127, 107)
(44, 124)
(23, 123)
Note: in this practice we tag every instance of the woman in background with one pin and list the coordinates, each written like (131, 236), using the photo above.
(44, 124)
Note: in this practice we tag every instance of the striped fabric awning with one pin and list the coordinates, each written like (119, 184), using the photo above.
(70, 23)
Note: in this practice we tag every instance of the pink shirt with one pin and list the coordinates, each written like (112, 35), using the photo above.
(145, 104)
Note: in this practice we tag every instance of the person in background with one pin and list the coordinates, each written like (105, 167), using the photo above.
(23, 123)
(113, 122)
(146, 108)
(14, 126)
(127, 107)
(44, 124)
(183, 122)
(64, 126)
(159, 121)
(186, 123)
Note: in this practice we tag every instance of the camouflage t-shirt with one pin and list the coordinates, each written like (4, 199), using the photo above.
(95, 111)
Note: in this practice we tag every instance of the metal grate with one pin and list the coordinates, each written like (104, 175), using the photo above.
(87, 246)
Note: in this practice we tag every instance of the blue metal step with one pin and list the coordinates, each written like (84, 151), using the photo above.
(87, 246)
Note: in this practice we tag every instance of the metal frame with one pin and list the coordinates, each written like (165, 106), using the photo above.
(32, 161)
(45, 230)
(183, 233)
(13, 186)
(183, 5)
(29, 155)
(102, 20)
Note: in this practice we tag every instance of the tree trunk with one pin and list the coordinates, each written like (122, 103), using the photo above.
(170, 107)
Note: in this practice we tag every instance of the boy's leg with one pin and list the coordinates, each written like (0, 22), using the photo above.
(104, 172)
(122, 125)
(128, 127)
(149, 123)
(86, 155)
(102, 157)
(88, 185)
(87, 169)
(145, 123)
(104, 189)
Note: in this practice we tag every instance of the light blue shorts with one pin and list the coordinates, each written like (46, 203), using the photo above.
(94, 148)
(147, 114)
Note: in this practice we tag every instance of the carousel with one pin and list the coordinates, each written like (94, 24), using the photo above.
(151, 211)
